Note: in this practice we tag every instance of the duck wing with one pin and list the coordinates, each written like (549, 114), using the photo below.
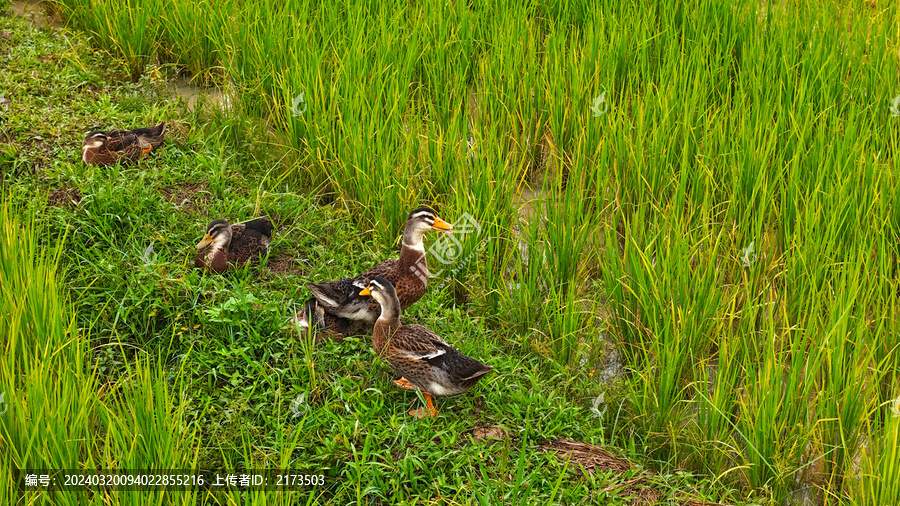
(418, 342)
(249, 240)
(461, 369)
(152, 135)
(313, 316)
(262, 227)
(430, 363)
(341, 297)
(125, 145)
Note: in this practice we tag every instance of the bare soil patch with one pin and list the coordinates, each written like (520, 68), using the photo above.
(188, 196)
(589, 459)
(284, 264)
(64, 197)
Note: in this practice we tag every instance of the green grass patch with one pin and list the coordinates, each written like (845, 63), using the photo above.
(143, 361)
(716, 199)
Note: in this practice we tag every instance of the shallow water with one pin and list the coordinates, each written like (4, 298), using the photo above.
(197, 96)
(35, 12)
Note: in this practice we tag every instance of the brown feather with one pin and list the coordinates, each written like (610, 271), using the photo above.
(121, 145)
(419, 354)
(249, 241)
(408, 274)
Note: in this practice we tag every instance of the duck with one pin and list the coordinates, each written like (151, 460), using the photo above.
(226, 245)
(314, 320)
(107, 147)
(408, 273)
(425, 361)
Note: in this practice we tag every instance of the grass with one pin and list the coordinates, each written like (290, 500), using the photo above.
(729, 213)
(164, 366)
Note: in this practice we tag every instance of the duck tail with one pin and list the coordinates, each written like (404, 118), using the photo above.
(479, 373)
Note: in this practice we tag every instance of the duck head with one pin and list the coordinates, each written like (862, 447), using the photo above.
(383, 292)
(94, 149)
(422, 220)
(217, 237)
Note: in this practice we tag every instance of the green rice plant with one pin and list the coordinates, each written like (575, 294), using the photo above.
(674, 280)
(848, 397)
(735, 157)
(716, 390)
(879, 464)
(59, 416)
(41, 356)
(769, 433)
(481, 251)
(130, 30)
(553, 255)
(191, 34)
(143, 431)
(849, 392)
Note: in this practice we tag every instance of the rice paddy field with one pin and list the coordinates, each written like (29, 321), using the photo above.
(677, 243)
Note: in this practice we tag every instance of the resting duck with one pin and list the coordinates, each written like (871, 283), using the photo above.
(225, 244)
(325, 325)
(425, 360)
(409, 274)
(108, 147)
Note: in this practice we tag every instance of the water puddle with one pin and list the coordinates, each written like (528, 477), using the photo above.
(36, 12)
(198, 96)
(528, 202)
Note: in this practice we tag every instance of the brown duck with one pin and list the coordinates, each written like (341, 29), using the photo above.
(326, 325)
(425, 360)
(339, 302)
(107, 147)
(225, 244)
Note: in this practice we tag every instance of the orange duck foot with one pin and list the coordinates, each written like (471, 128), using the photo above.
(423, 412)
(404, 383)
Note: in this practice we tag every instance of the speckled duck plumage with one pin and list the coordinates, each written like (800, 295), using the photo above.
(425, 360)
(340, 300)
(107, 147)
(225, 245)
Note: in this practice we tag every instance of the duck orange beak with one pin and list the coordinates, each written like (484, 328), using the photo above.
(365, 291)
(441, 225)
(206, 240)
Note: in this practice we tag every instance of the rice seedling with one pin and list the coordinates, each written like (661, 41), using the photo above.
(879, 462)
(191, 41)
(48, 389)
(133, 34)
(724, 170)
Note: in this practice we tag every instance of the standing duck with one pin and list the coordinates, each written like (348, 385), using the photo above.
(107, 147)
(225, 244)
(408, 273)
(425, 360)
